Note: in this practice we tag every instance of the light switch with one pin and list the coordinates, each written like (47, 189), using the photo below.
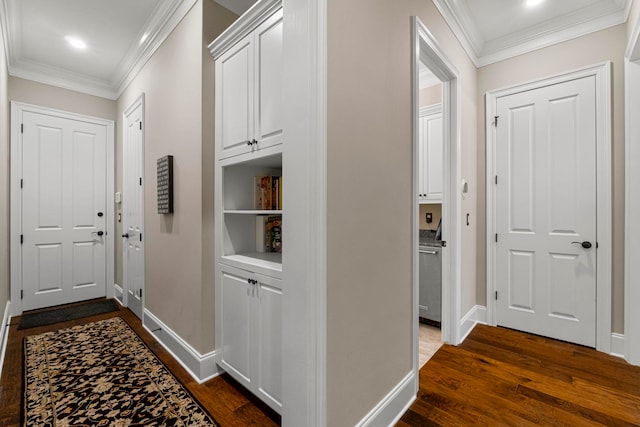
(429, 218)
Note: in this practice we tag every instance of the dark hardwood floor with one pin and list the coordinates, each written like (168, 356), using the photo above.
(221, 396)
(496, 377)
(504, 377)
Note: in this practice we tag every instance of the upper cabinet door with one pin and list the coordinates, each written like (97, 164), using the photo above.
(433, 174)
(249, 92)
(268, 82)
(235, 99)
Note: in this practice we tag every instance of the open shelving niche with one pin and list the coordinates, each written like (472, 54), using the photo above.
(240, 240)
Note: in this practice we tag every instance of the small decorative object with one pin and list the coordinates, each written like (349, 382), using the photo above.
(165, 184)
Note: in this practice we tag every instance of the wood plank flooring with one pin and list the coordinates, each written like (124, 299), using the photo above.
(222, 397)
(504, 377)
(496, 377)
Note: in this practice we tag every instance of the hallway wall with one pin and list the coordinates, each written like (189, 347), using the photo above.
(179, 288)
(369, 196)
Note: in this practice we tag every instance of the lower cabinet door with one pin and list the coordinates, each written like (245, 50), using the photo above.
(269, 344)
(236, 326)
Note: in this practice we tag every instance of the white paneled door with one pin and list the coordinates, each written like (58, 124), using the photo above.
(64, 210)
(133, 209)
(546, 211)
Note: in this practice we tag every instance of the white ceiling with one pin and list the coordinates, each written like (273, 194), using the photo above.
(121, 35)
(493, 30)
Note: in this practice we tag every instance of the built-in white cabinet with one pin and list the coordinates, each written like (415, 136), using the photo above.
(249, 216)
(251, 327)
(249, 91)
(430, 156)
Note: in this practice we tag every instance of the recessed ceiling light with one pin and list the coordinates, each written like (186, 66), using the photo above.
(76, 42)
(532, 3)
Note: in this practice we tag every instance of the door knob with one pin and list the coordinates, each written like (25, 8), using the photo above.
(100, 214)
(584, 244)
(125, 235)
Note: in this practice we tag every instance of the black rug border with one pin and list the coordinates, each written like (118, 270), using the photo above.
(24, 370)
(114, 307)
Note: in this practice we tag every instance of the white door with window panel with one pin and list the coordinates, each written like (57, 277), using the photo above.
(132, 209)
(64, 210)
(546, 211)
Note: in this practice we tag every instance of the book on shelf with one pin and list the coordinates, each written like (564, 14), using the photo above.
(269, 233)
(267, 193)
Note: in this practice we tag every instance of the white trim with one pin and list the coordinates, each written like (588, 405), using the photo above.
(243, 26)
(427, 50)
(602, 74)
(161, 24)
(477, 314)
(587, 20)
(118, 294)
(17, 110)
(4, 333)
(430, 109)
(169, 20)
(617, 345)
(202, 367)
(304, 263)
(391, 408)
(632, 199)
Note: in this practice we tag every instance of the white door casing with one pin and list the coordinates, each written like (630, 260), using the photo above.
(428, 51)
(632, 198)
(543, 236)
(133, 207)
(62, 173)
(545, 155)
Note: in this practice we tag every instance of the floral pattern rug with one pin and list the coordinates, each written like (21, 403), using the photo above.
(102, 374)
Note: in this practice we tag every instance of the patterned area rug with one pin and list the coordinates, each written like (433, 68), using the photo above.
(102, 374)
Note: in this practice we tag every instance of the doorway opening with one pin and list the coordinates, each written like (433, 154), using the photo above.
(437, 201)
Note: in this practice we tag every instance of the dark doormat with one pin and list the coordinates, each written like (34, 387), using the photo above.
(63, 314)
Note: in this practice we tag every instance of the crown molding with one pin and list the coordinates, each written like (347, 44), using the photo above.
(58, 77)
(451, 15)
(592, 18)
(160, 25)
(243, 26)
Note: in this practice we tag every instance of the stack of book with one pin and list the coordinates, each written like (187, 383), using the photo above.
(269, 233)
(267, 192)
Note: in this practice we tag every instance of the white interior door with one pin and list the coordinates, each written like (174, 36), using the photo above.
(64, 210)
(133, 210)
(545, 210)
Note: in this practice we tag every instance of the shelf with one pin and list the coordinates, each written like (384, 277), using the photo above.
(267, 263)
(251, 212)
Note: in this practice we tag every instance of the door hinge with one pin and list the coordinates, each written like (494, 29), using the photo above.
(444, 243)
(495, 120)
(140, 180)
(21, 238)
(140, 293)
(496, 295)
(496, 237)
(140, 125)
(21, 183)
(21, 127)
(496, 179)
(141, 237)
(21, 293)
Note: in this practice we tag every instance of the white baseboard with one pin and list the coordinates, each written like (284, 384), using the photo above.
(617, 345)
(4, 333)
(118, 293)
(390, 409)
(201, 367)
(477, 314)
